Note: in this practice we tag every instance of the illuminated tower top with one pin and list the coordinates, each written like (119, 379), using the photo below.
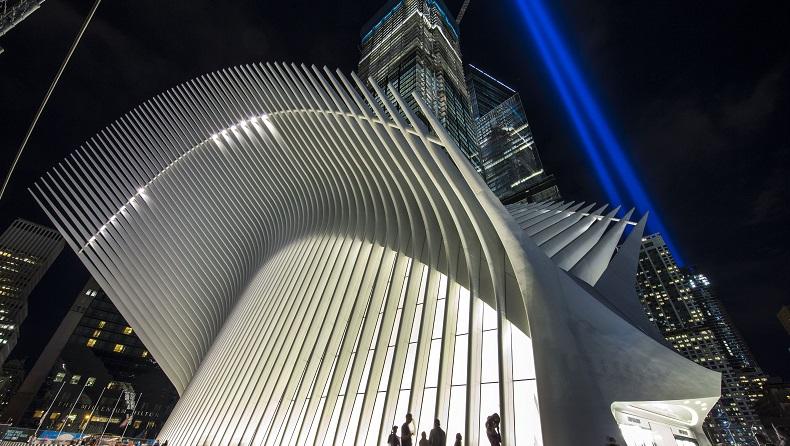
(414, 44)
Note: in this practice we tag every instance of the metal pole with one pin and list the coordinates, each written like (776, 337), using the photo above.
(72, 408)
(123, 392)
(132, 417)
(92, 411)
(44, 416)
(49, 93)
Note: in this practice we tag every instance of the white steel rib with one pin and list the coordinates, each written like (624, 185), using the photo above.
(308, 261)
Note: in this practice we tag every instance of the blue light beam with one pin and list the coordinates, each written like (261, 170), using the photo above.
(598, 140)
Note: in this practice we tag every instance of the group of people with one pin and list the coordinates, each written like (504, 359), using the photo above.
(437, 437)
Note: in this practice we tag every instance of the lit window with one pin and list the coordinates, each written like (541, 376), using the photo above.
(59, 377)
(75, 379)
(127, 330)
(38, 414)
(91, 342)
(96, 333)
(90, 382)
(144, 354)
(101, 324)
(118, 348)
(54, 416)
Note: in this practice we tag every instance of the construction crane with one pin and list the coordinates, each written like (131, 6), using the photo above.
(13, 12)
(461, 12)
(51, 85)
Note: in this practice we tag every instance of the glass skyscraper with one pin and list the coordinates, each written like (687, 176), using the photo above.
(682, 303)
(26, 252)
(511, 164)
(414, 44)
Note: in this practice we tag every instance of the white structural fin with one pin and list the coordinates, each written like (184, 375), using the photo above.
(308, 261)
(595, 261)
(618, 281)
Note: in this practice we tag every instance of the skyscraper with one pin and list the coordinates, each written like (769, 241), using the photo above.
(682, 303)
(93, 360)
(511, 164)
(414, 44)
(26, 252)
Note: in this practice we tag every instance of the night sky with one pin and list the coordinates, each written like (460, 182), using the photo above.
(697, 92)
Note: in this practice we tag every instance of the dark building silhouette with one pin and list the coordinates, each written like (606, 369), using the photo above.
(26, 252)
(94, 370)
(774, 410)
(10, 379)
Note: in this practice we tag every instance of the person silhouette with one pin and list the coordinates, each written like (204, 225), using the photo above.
(458, 439)
(393, 438)
(437, 436)
(423, 440)
(492, 430)
(407, 430)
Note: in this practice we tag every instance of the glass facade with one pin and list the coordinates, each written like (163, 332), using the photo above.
(682, 303)
(511, 164)
(414, 44)
(106, 374)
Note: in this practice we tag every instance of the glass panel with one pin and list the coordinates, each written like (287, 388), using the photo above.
(432, 378)
(427, 412)
(442, 287)
(363, 383)
(523, 358)
(438, 320)
(385, 373)
(490, 363)
(526, 407)
(408, 371)
(489, 317)
(401, 409)
(460, 359)
(354, 421)
(378, 410)
(415, 328)
(315, 423)
(329, 439)
(394, 335)
(489, 404)
(457, 416)
(423, 285)
(462, 326)
(347, 375)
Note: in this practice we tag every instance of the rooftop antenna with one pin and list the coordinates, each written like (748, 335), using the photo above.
(462, 12)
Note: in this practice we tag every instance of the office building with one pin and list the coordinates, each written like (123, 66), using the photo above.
(26, 252)
(306, 273)
(94, 374)
(682, 304)
(11, 377)
(784, 317)
(414, 45)
(511, 163)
